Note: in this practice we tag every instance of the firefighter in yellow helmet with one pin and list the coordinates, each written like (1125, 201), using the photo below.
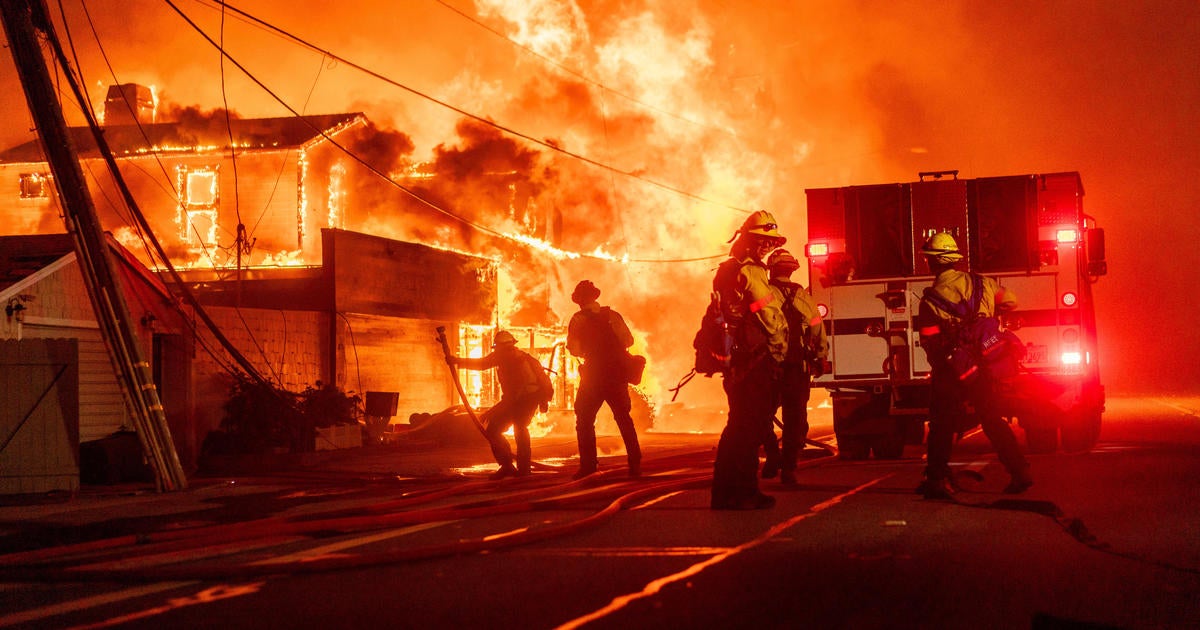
(519, 401)
(753, 312)
(807, 350)
(950, 392)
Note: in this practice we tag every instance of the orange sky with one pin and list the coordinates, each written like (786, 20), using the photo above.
(744, 104)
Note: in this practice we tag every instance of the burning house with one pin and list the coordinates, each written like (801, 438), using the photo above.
(278, 227)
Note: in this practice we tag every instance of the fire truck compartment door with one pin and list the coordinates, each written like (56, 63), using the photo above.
(854, 310)
(1042, 318)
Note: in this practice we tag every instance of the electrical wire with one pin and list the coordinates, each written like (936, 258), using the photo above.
(372, 168)
(581, 76)
(476, 117)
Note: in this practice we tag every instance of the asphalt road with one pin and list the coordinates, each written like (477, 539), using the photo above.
(1105, 539)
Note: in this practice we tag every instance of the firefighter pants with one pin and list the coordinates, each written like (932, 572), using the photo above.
(750, 389)
(948, 415)
(516, 414)
(794, 389)
(595, 389)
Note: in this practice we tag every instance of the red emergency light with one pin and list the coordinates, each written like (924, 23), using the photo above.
(1067, 235)
(1069, 299)
(814, 250)
(823, 311)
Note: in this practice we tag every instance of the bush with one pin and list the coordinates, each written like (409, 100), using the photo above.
(260, 417)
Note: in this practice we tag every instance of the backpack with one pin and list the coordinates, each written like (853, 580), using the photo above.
(545, 391)
(714, 341)
(976, 343)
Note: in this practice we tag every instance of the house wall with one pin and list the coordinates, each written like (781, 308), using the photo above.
(26, 216)
(391, 354)
(287, 347)
(265, 201)
(58, 307)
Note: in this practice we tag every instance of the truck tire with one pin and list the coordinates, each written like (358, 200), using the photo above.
(853, 447)
(1081, 431)
(1041, 439)
(888, 446)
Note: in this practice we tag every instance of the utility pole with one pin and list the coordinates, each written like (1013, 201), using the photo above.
(23, 19)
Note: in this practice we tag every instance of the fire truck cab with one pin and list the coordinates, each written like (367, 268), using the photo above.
(867, 275)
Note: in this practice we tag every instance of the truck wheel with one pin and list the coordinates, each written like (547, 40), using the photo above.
(888, 446)
(853, 447)
(1041, 440)
(1081, 430)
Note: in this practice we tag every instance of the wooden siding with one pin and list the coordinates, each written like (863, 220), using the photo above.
(39, 416)
(379, 276)
(391, 354)
(102, 410)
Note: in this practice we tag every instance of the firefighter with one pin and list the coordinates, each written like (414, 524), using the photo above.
(600, 337)
(950, 396)
(754, 314)
(807, 350)
(519, 400)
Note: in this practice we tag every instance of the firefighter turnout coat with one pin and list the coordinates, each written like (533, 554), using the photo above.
(753, 308)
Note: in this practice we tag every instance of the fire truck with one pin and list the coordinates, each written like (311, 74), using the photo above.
(866, 274)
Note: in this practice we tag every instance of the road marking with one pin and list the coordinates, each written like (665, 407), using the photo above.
(35, 614)
(631, 552)
(357, 541)
(657, 585)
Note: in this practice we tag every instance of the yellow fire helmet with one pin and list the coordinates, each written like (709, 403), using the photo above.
(781, 261)
(761, 223)
(504, 338)
(942, 248)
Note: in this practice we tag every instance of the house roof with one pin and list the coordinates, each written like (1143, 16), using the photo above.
(195, 135)
(23, 256)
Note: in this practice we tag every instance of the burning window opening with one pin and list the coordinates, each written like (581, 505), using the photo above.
(337, 197)
(548, 346)
(199, 193)
(33, 186)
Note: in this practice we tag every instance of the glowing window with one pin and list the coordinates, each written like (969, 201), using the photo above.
(34, 186)
(201, 190)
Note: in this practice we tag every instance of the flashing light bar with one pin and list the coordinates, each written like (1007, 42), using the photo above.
(1069, 235)
(813, 250)
(1069, 299)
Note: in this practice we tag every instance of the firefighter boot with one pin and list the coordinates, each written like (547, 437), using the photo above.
(1021, 481)
(506, 470)
(936, 488)
(787, 477)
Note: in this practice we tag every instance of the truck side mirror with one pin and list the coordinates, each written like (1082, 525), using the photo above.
(1097, 265)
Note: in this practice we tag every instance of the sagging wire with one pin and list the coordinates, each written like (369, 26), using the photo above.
(476, 117)
(370, 167)
(583, 77)
(110, 160)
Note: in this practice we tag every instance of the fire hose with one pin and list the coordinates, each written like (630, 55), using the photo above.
(462, 393)
(41, 565)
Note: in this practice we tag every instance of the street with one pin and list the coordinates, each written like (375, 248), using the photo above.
(1105, 539)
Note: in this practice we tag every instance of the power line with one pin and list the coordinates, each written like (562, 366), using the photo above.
(323, 133)
(580, 75)
(548, 145)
